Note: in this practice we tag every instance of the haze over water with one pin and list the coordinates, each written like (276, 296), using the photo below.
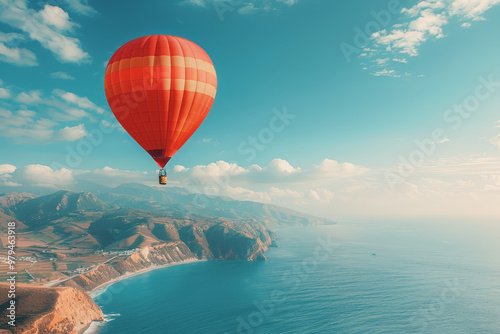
(430, 277)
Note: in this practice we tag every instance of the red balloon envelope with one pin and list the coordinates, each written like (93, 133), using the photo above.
(160, 89)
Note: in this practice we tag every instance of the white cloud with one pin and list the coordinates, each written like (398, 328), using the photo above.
(281, 167)
(23, 126)
(416, 9)
(217, 170)
(7, 169)
(495, 141)
(81, 7)
(10, 53)
(49, 27)
(430, 23)
(403, 41)
(243, 194)
(11, 37)
(5, 93)
(44, 176)
(82, 102)
(26, 113)
(69, 114)
(20, 125)
(28, 126)
(444, 140)
(64, 101)
(400, 60)
(61, 75)
(422, 22)
(211, 141)
(6, 177)
(278, 171)
(180, 169)
(56, 17)
(113, 125)
(471, 9)
(329, 168)
(201, 3)
(248, 9)
(113, 177)
(277, 192)
(386, 73)
(245, 7)
(446, 187)
(381, 61)
(72, 133)
(17, 56)
(31, 97)
(321, 195)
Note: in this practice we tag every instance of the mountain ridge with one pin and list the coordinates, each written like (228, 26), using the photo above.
(84, 240)
(72, 232)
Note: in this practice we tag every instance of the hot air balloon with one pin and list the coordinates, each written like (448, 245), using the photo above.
(160, 88)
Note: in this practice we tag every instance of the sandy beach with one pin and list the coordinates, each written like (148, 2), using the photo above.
(97, 291)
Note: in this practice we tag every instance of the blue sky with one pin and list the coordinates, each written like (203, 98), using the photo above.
(353, 118)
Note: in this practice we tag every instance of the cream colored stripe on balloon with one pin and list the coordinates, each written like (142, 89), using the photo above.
(148, 61)
(189, 86)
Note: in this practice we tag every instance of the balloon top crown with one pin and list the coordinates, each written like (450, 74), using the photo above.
(160, 45)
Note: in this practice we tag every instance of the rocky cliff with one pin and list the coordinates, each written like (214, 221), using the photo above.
(220, 241)
(239, 241)
(148, 257)
(41, 310)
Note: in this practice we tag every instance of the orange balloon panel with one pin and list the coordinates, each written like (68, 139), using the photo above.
(160, 89)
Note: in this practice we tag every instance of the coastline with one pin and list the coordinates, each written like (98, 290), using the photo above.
(99, 290)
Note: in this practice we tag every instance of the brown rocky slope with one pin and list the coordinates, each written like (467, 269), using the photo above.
(41, 310)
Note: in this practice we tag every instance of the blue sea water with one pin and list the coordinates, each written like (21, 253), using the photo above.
(380, 277)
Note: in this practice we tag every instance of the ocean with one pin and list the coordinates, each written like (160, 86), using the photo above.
(378, 277)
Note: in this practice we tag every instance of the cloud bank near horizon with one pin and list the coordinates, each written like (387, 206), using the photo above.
(453, 188)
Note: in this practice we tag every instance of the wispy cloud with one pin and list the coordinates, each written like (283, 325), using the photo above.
(11, 53)
(244, 7)
(289, 2)
(4, 92)
(400, 60)
(386, 73)
(50, 27)
(82, 102)
(248, 9)
(33, 117)
(25, 126)
(427, 25)
(471, 9)
(423, 22)
(81, 7)
(61, 75)
(212, 141)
